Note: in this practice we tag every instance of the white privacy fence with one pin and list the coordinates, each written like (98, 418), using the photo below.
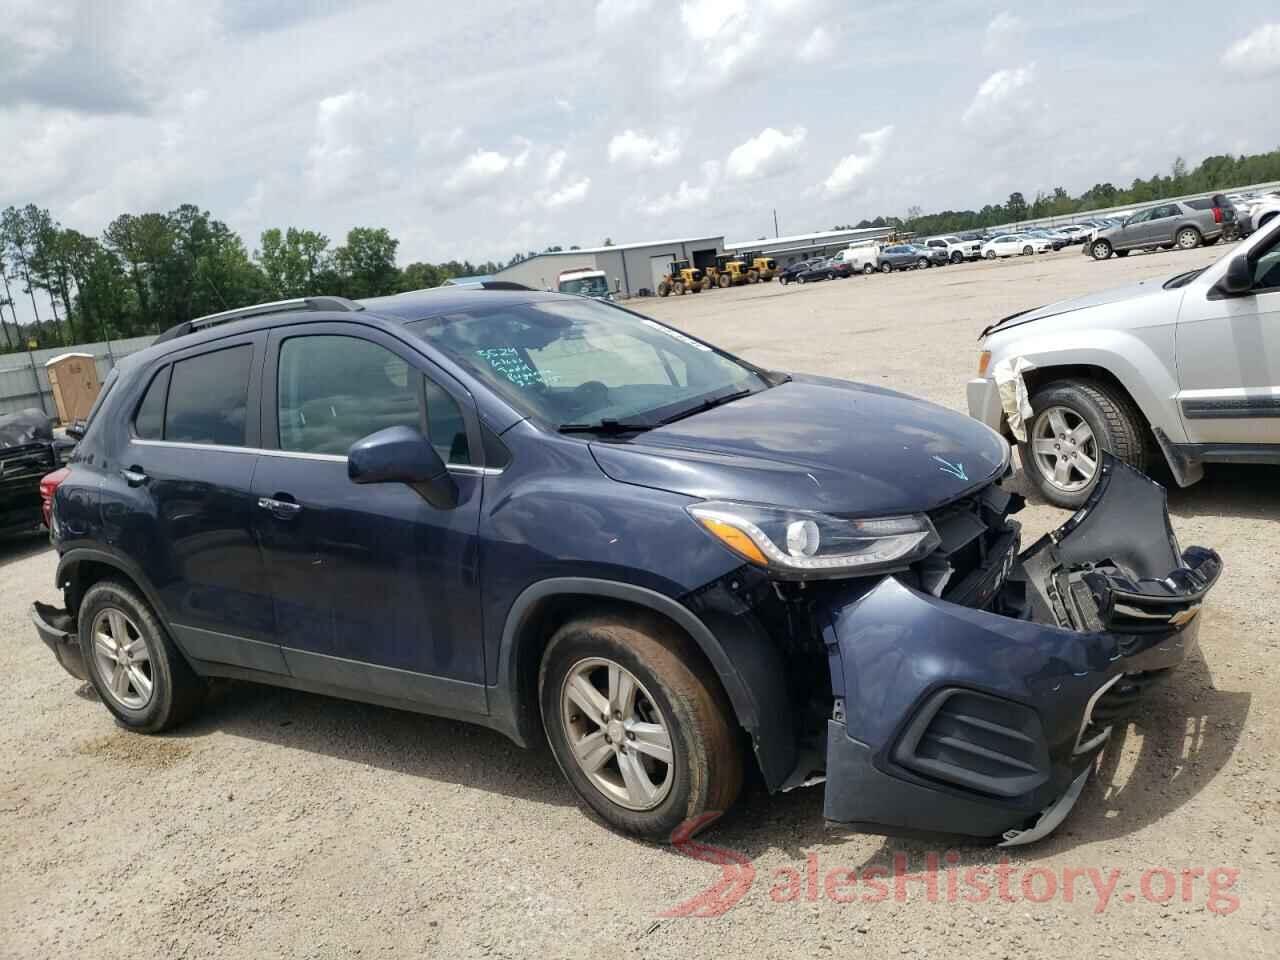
(24, 383)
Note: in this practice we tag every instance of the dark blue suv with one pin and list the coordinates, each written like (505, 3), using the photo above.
(556, 517)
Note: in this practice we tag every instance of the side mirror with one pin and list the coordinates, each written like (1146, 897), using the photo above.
(1239, 276)
(403, 455)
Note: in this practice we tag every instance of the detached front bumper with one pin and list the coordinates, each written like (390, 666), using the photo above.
(956, 720)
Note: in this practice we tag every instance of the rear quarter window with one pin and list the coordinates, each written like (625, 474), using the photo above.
(208, 396)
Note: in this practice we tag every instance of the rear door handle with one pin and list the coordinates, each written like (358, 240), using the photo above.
(281, 509)
(134, 476)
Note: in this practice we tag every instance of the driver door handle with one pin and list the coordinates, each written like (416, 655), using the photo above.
(281, 509)
(134, 476)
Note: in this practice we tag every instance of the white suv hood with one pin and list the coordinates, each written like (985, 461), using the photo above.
(1131, 291)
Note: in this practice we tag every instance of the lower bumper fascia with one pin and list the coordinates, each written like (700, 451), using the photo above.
(58, 631)
(963, 721)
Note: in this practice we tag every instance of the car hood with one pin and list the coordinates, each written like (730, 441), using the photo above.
(815, 444)
(1143, 288)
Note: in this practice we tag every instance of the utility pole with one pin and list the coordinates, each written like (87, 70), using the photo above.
(775, 223)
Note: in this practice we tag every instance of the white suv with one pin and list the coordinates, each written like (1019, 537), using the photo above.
(957, 250)
(1014, 245)
(1186, 372)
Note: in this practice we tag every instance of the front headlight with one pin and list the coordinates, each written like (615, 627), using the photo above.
(805, 545)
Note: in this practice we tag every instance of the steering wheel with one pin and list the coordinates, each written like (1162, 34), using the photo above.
(589, 394)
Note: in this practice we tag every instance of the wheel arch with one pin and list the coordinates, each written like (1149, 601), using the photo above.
(751, 679)
(81, 567)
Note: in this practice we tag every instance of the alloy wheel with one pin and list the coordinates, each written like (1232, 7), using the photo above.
(1064, 449)
(616, 733)
(123, 659)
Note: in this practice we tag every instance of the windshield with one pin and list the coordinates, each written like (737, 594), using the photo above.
(581, 362)
(586, 286)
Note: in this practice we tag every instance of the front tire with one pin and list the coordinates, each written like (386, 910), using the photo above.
(131, 661)
(990, 255)
(957, 257)
(923, 264)
(886, 268)
(1100, 250)
(1073, 423)
(1027, 251)
(638, 724)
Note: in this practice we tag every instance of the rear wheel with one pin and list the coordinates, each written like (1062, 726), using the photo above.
(990, 254)
(1027, 251)
(831, 275)
(664, 288)
(1188, 238)
(131, 661)
(1072, 424)
(753, 276)
(678, 288)
(1100, 250)
(724, 281)
(923, 263)
(800, 279)
(868, 269)
(638, 724)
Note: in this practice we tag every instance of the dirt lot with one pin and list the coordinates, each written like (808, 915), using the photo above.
(282, 824)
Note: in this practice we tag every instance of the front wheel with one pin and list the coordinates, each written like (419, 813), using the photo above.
(1188, 238)
(1100, 250)
(664, 288)
(1027, 251)
(886, 268)
(131, 661)
(990, 255)
(638, 724)
(957, 257)
(923, 264)
(678, 288)
(799, 279)
(724, 281)
(1073, 423)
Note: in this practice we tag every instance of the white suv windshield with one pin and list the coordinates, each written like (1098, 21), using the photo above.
(583, 362)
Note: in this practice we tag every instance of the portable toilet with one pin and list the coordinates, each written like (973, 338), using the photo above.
(73, 378)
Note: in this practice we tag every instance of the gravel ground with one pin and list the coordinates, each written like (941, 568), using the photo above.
(284, 824)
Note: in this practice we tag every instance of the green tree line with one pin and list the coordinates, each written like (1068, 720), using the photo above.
(1212, 174)
(149, 271)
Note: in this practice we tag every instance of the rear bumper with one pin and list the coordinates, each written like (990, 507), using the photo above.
(58, 631)
(955, 720)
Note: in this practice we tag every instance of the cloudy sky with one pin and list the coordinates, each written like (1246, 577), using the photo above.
(480, 129)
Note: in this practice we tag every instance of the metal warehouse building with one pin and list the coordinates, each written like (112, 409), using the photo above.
(805, 245)
(630, 267)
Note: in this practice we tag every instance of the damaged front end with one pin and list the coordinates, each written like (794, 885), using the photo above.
(970, 694)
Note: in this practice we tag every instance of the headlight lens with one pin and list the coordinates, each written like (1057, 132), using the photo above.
(803, 545)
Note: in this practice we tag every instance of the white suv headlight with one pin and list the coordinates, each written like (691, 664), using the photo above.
(805, 545)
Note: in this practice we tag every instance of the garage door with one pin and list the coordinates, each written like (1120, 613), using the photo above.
(658, 265)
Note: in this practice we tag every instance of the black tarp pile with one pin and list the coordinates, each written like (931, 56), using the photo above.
(24, 427)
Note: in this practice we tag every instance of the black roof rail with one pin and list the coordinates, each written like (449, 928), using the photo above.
(503, 285)
(338, 304)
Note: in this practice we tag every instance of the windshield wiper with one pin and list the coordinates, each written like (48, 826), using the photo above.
(606, 426)
(708, 403)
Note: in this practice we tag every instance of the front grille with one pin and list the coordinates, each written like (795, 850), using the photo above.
(979, 544)
(978, 741)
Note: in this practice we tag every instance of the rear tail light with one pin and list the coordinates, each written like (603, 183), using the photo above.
(1217, 214)
(48, 484)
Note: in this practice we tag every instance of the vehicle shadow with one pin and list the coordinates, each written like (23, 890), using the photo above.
(20, 546)
(1230, 490)
(439, 749)
(1185, 733)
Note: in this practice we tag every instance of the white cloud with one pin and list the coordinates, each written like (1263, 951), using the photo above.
(612, 14)
(569, 194)
(555, 163)
(1003, 34)
(334, 157)
(564, 105)
(479, 168)
(818, 46)
(844, 177)
(1258, 54)
(706, 19)
(638, 151)
(683, 197)
(1000, 98)
(768, 153)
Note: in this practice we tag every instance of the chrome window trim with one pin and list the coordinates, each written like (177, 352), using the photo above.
(465, 469)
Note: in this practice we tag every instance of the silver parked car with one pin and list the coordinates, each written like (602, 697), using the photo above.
(1184, 371)
(1181, 223)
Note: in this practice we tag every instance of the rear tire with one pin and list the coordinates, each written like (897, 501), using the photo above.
(1188, 238)
(957, 257)
(594, 661)
(799, 279)
(868, 269)
(150, 687)
(923, 264)
(1027, 251)
(664, 288)
(724, 281)
(678, 288)
(1116, 425)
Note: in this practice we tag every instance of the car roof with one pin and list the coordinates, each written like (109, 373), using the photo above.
(397, 308)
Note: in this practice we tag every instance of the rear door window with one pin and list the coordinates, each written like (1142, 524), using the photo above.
(208, 397)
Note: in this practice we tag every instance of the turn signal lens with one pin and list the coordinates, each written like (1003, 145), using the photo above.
(734, 539)
(984, 361)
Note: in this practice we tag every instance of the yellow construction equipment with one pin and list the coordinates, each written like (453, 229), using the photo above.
(760, 267)
(681, 277)
(729, 271)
